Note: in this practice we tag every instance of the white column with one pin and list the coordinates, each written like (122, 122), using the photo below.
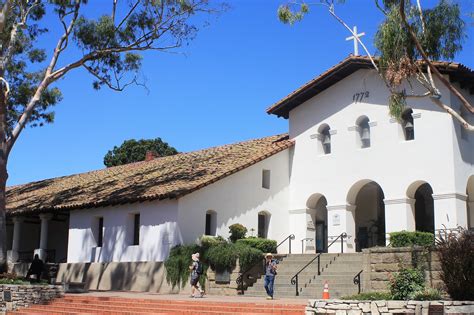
(45, 217)
(399, 215)
(341, 219)
(13, 254)
(450, 210)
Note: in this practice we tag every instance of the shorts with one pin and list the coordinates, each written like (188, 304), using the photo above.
(194, 280)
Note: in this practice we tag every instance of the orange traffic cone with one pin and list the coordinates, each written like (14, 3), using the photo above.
(326, 291)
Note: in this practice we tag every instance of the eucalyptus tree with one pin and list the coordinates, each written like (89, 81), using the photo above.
(409, 39)
(108, 44)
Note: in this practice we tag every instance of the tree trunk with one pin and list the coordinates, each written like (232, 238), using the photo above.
(3, 226)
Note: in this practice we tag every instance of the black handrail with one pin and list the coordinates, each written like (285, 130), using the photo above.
(342, 236)
(294, 280)
(356, 280)
(240, 278)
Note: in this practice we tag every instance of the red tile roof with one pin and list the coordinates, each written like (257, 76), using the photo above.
(162, 178)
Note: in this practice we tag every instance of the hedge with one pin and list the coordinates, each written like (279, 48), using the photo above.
(262, 244)
(406, 238)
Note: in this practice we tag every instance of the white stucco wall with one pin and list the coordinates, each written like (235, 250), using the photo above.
(391, 161)
(159, 232)
(238, 199)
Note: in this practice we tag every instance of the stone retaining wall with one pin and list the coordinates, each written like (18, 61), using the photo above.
(354, 307)
(380, 262)
(24, 295)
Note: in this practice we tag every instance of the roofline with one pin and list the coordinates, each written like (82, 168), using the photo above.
(456, 71)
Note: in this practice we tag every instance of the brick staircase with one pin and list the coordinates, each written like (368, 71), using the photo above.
(76, 304)
(338, 269)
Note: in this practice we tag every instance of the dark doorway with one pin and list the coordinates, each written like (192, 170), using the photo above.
(424, 209)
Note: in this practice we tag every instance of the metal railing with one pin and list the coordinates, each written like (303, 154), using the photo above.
(240, 278)
(356, 280)
(304, 240)
(294, 279)
(341, 236)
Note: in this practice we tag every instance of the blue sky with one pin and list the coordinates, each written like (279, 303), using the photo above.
(212, 92)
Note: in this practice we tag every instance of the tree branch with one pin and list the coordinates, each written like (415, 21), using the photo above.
(453, 113)
(433, 68)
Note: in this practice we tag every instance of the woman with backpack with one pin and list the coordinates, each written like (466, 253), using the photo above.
(196, 271)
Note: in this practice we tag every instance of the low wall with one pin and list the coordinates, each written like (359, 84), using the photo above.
(380, 262)
(388, 307)
(13, 297)
(119, 276)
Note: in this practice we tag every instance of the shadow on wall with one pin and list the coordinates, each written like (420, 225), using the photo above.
(127, 276)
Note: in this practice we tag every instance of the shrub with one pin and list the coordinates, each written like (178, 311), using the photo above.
(428, 294)
(456, 255)
(210, 241)
(178, 262)
(406, 283)
(406, 238)
(223, 256)
(11, 278)
(248, 256)
(262, 244)
(369, 296)
(237, 232)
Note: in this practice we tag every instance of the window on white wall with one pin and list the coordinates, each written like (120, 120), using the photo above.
(266, 179)
(325, 138)
(263, 224)
(136, 229)
(363, 128)
(98, 230)
(211, 223)
(408, 124)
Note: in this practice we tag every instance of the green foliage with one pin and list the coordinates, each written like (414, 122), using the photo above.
(11, 278)
(369, 296)
(456, 255)
(406, 283)
(223, 256)
(406, 238)
(262, 244)
(237, 231)
(427, 294)
(134, 151)
(177, 264)
(208, 241)
(248, 256)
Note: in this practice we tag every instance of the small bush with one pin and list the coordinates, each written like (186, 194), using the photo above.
(456, 255)
(262, 244)
(237, 231)
(427, 295)
(248, 256)
(369, 296)
(406, 283)
(406, 238)
(11, 278)
(223, 257)
(210, 241)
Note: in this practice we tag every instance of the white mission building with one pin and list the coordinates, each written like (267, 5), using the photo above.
(345, 166)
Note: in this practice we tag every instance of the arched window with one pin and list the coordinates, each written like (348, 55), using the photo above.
(408, 125)
(364, 131)
(263, 223)
(325, 138)
(211, 223)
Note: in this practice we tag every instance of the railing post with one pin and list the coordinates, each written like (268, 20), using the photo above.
(319, 265)
(302, 247)
(297, 291)
(342, 244)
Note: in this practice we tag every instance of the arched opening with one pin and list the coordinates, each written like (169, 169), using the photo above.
(368, 197)
(470, 202)
(408, 124)
(318, 227)
(211, 223)
(424, 206)
(363, 128)
(325, 138)
(263, 224)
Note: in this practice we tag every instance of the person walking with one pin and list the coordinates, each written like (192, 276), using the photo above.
(270, 273)
(196, 272)
(36, 268)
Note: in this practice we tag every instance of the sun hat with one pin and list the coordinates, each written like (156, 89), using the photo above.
(195, 257)
(268, 255)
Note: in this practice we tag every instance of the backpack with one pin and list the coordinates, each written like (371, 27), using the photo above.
(199, 268)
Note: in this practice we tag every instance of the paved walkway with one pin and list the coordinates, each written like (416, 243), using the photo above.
(185, 297)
